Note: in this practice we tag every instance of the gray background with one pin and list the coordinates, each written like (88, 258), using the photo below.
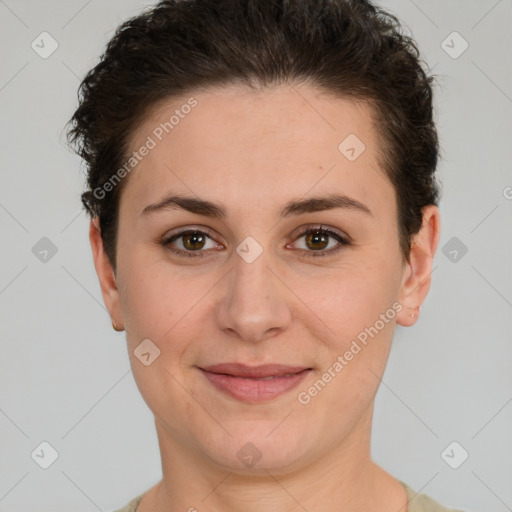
(65, 374)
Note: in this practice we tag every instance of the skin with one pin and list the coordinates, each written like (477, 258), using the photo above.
(253, 152)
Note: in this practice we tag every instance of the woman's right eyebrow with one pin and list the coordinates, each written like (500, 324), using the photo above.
(218, 211)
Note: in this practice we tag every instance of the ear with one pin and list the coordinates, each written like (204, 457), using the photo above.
(416, 280)
(105, 273)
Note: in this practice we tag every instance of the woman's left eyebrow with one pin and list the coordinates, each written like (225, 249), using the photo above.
(295, 207)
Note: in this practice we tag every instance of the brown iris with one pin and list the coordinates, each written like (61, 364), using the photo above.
(193, 241)
(315, 237)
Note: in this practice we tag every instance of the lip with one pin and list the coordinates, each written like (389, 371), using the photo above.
(245, 382)
(242, 370)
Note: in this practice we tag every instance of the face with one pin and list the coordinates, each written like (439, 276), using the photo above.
(254, 286)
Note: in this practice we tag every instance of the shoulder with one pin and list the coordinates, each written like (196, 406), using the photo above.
(417, 502)
(133, 504)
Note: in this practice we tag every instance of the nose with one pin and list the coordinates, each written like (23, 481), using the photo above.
(253, 303)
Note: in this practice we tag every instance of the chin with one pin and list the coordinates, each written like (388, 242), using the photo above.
(262, 449)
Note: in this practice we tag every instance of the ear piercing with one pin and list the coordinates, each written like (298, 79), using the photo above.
(412, 315)
(116, 327)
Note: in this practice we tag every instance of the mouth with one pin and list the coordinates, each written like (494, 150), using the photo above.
(254, 384)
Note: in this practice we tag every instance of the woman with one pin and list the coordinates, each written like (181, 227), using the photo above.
(264, 211)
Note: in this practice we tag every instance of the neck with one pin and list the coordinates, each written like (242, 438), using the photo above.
(342, 479)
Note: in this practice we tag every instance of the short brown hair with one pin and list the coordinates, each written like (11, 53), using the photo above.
(350, 48)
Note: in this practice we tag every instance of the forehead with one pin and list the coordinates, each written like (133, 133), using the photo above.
(256, 146)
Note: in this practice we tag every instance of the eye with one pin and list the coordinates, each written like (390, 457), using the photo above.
(192, 241)
(317, 238)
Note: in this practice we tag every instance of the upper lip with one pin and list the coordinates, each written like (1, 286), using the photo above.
(241, 370)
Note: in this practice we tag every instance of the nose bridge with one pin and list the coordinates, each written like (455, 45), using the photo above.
(251, 274)
(252, 302)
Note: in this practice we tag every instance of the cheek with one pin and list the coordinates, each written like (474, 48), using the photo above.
(351, 296)
(156, 297)
(161, 305)
(359, 305)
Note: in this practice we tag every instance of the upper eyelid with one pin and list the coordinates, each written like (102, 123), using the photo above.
(320, 227)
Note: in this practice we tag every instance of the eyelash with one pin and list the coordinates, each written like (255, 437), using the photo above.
(313, 254)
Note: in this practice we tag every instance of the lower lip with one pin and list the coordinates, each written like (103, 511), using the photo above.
(254, 390)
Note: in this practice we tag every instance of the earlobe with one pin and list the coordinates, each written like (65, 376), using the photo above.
(105, 273)
(417, 276)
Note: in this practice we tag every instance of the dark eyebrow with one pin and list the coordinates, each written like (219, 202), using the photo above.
(295, 207)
